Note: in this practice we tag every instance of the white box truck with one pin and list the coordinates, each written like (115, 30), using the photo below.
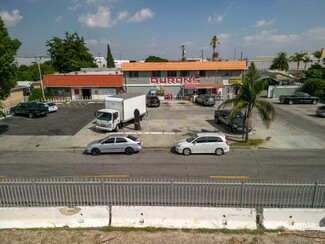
(119, 110)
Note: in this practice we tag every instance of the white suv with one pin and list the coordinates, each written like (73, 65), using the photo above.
(203, 143)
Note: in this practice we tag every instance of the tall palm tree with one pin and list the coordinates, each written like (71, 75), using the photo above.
(318, 55)
(281, 62)
(306, 60)
(246, 99)
(214, 43)
(298, 57)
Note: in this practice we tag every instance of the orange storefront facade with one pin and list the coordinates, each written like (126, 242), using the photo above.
(182, 78)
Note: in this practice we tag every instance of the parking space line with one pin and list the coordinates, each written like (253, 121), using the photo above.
(228, 177)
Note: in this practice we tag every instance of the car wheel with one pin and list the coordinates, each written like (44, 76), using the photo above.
(129, 151)
(216, 119)
(31, 115)
(116, 128)
(219, 151)
(187, 151)
(95, 151)
(290, 102)
(314, 102)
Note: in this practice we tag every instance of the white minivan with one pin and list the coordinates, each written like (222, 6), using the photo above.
(203, 143)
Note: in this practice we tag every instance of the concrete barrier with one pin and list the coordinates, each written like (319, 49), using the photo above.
(184, 217)
(54, 217)
(294, 219)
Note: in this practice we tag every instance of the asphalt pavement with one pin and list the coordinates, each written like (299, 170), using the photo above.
(279, 136)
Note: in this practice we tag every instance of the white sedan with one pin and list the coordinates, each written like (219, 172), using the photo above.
(203, 143)
(52, 107)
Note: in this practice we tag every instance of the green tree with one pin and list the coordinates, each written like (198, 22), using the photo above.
(315, 71)
(109, 59)
(31, 73)
(155, 59)
(36, 95)
(306, 60)
(298, 57)
(246, 99)
(318, 55)
(314, 86)
(8, 49)
(214, 43)
(281, 62)
(69, 54)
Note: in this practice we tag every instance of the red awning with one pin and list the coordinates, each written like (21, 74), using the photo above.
(203, 86)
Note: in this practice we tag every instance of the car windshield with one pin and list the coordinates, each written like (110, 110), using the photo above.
(192, 138)
(104, 116)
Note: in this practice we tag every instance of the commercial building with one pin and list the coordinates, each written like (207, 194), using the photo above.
(83, 85)
(182, 79)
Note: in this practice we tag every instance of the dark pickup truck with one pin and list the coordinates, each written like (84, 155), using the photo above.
(234, 124)
(298, 97)
(31, 109)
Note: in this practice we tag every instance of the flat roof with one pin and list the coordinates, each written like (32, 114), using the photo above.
(176, 66)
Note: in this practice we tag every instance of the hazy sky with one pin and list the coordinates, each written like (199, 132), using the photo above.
(136, 29)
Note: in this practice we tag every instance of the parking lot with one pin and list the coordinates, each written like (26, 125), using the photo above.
(295, 126)
(68, 120)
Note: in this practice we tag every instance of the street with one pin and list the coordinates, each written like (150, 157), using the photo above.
(150, 163)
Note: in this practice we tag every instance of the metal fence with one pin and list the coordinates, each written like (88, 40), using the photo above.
(135, 192)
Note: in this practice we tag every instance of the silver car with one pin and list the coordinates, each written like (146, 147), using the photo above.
(203, 143)
(320, 111)
(206, 99)
(114, 144)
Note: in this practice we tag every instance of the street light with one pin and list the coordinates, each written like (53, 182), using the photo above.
(38, 60)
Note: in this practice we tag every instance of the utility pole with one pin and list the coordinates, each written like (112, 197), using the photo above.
(38, 60)
(202, 55)
(183, 53)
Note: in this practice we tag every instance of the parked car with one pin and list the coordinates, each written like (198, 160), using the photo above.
(152, 101)
(298, 97)
(52, 107)
(31, 109)
(115, 143)
(203, 143)
(320, 111)
(206, 99)
(234, 123)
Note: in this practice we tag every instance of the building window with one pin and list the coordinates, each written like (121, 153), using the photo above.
(134, 74)
(171, 73)
(156, 73)
(203, 73)
(184, 73)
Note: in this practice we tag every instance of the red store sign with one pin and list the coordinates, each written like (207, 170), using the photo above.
(174, 81)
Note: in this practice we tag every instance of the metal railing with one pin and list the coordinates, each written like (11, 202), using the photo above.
(136, 192)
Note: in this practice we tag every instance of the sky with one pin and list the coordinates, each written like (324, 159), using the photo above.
(137, 29)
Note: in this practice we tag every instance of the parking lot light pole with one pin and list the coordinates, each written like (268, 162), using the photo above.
(38, 60)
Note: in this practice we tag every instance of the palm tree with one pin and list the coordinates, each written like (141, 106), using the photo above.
(281, 62)
(318, 55)
(306, 60)
(298, 57)
(214, 43)
(247, 99)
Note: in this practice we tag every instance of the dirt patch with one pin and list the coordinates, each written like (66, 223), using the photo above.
(15, 236)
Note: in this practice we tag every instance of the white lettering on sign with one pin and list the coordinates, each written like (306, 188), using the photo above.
(174, 81)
